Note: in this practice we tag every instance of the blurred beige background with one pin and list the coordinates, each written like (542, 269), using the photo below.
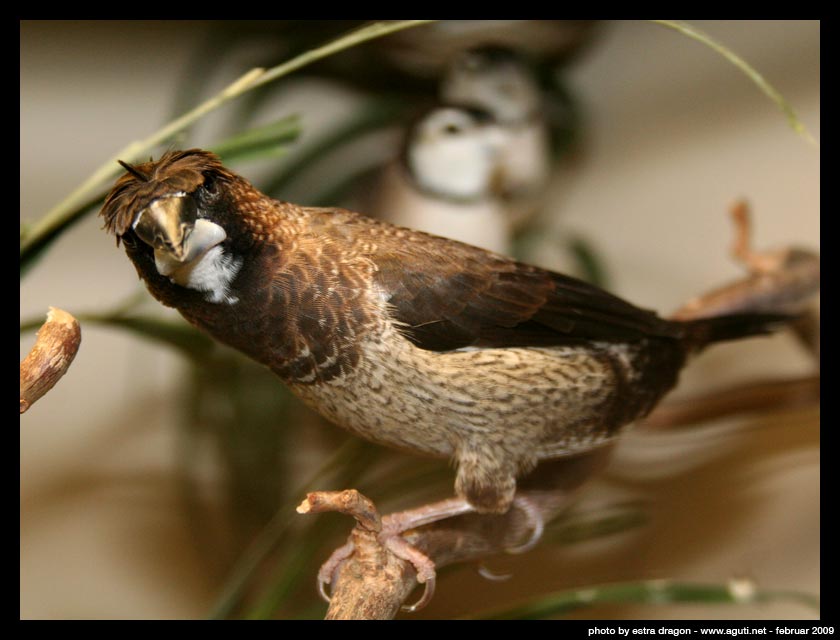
(674, 135)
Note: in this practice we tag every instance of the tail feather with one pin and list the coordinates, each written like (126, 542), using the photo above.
(705, 331)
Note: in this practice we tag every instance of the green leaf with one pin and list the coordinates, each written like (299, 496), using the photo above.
(590, 265)
(648, 592)
(340, 470)
(373, 115)
(268, 140)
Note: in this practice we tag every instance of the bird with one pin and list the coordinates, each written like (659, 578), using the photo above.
(407, 339)
(499, 80)
(444, 179)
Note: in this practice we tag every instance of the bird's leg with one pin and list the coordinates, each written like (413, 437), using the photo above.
(402, 521)
(395, 524)
(535, 520)
(398, 523)
(326, 574)
(489, 484)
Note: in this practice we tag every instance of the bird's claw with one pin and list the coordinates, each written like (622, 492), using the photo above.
(390, 536)
(535, 519)
(487, 574)
(397, 545)
(422, 564)
(328, 569)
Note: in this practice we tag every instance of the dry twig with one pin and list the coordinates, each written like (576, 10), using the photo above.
(55, 347)
(372, 583)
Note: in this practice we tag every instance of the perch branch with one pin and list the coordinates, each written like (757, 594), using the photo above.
(371, 582)
(55, 347)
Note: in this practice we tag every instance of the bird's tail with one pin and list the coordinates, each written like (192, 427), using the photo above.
(705, 331)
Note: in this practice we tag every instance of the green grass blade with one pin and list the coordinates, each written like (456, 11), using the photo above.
(178, 335)
(298, 567)
(768, 90)
(376, 114)
(268, 140)
(56, 217)
(655, 592)
(346, 463)
(38, 248)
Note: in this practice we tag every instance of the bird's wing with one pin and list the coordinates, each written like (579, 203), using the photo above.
(446, 295)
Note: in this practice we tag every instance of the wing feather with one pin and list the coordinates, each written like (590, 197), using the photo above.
(447, 295)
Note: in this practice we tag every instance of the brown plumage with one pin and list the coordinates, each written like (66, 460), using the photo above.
(407, 339)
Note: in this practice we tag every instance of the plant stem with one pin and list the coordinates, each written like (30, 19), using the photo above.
(254, 78)
(768, 89)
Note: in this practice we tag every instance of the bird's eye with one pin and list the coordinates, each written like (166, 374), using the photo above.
(210, 187)
(209, 183)
(452, 129)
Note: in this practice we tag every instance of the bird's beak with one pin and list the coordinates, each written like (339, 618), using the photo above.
(167, 223)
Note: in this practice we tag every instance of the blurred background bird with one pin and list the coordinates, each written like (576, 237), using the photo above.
(445, 179)
(476, 167)
(500, 81)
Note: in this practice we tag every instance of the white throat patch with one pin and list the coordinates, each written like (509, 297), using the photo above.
(207, 267)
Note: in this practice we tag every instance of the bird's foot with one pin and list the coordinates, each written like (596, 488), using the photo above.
(387, 532)
(535, 521)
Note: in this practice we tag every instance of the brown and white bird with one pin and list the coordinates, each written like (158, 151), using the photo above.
(443, 181)
(407, 339)
(499, 81)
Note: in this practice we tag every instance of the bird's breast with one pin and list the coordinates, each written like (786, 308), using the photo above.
(560, 399)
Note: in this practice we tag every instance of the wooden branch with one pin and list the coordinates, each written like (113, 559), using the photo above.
(55, 347)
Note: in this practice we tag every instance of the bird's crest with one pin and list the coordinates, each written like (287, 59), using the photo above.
(176, 171)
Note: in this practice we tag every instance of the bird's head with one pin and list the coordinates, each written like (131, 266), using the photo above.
(495, 79)
(181, 209)
(454, 152)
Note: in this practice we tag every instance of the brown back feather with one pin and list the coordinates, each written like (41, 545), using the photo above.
(447, 294)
